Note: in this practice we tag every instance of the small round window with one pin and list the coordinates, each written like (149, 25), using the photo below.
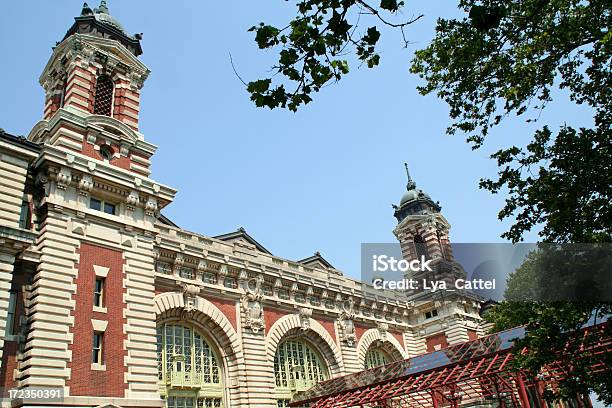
(106, 152)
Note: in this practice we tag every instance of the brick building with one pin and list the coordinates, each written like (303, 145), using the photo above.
(104, 297)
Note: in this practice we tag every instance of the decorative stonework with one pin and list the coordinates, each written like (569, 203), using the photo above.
(383, 329)
(85, 185)
(346, 324)
(252, 304)
(305, 315)
(63, 178)
(151, 207)
(190, 293)
(132, 200)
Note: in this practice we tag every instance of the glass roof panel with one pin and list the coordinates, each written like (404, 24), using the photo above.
(414, 365)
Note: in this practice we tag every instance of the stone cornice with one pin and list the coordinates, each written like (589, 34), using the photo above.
(86, 45)
(95, 123)
(112, 175)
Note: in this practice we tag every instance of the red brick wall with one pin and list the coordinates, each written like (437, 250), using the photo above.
(360, 330)
(472, 335)
(271, 316)
(227, 307)
(330, 327)
(83, 380)
(436, 340)
(122, 161)
(9, 364)
(399, 338)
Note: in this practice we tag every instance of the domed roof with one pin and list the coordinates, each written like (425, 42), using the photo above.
(414, 201)
(108, 19)
(413, 194)
(102, 15)
(99, 22)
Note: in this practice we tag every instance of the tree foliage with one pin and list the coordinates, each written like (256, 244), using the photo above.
(555, 293)
(313, 48)
(506, 58)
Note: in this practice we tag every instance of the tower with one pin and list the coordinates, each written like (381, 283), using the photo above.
(440, 318)
(90, 327)
(92, 86)
(423, 231)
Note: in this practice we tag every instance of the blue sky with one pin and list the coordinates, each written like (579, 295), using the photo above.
(323, 179)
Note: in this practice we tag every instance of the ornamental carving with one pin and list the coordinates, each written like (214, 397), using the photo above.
(346, 323)
(151, 207)
(63, 179)
(85, 185)
(305, 315)
(252, 304)
(190, 295)
(132, 200)
(383, 329)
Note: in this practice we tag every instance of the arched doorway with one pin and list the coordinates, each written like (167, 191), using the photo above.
(297, 367)
(189, 370)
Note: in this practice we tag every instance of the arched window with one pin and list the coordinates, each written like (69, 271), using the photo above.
(297, 367)
(376, 357)
(188, 369)
(103, 99)
(64, 88)
(420, 247)
(441, 244)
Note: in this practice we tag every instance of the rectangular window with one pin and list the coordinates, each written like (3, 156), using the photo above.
(99, 292)
(230, 283)
(10, 316)
(283, 294)
(96, 355)
(163, 267)
(210, 278)
(431, 313)
(95, 204)
(25, 216)
(186, 272)
(109, 208)
(100, 205)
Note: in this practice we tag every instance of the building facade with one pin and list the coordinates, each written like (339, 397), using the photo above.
(106, 299)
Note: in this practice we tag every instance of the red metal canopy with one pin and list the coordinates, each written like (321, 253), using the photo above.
(475, 371)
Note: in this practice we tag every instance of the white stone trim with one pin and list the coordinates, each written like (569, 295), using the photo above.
(289, 324)
(372, 335)
(101, 271)
(99, 325)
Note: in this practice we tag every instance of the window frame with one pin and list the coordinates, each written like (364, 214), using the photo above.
(287, 352)
(420, 247)
(99, 295)
(112, 97)
(203, 357)
(97, 351)
(378, 354)
(103, 205)
(430, 314)
(11, 313)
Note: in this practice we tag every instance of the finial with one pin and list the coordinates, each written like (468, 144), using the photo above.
(411, 184)
(103, 8)
(86, 10)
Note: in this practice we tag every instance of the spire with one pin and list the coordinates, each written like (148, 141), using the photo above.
(410, 185)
